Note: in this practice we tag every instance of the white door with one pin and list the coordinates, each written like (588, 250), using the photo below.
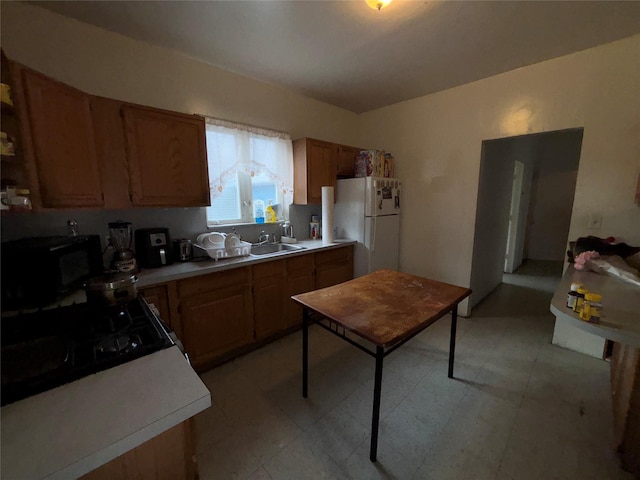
(513, 257)
(382, 242)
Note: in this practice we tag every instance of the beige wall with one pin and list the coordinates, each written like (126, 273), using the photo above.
(111, 65)
(437, 141)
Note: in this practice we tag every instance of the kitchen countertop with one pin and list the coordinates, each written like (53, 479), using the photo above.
(620, 320)
(179, 270)
(73, 429)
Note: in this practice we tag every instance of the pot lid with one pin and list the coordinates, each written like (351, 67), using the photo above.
(111, 281)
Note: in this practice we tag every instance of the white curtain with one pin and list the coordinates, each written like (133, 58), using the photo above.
(233, 148)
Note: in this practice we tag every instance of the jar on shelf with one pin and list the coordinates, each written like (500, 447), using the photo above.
(6, 145)
(5, 94)
(16, 198)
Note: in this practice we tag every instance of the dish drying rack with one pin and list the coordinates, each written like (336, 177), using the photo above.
(218, 253)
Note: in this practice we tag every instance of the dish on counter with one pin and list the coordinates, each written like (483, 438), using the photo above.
(232, 241)
(211, 240)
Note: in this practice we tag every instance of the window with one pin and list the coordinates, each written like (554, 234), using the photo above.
(247, 164)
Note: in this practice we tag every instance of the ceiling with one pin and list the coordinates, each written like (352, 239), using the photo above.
(346, 54)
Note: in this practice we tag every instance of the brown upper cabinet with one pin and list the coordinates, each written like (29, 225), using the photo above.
(86, 151)
(317, 163)
(167, 157)
(64, 148)
(314, 166)
(347, 160)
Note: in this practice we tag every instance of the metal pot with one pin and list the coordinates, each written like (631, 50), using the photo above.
(111, 289)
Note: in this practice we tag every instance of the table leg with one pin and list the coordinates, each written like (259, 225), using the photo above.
(452, 340)
(375, 421)
(305, 350)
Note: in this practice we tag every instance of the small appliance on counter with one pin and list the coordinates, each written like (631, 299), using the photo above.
(37, 271)
(182, 249)
(153, 247)
(120, 236)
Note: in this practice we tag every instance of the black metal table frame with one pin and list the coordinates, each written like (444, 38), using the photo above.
(379, 355)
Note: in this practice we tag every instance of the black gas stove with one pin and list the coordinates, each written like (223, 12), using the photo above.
(48, 348)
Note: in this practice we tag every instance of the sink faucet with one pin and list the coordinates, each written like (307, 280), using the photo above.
(263, 238)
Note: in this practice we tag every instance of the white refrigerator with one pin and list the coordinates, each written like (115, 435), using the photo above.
(367, 210)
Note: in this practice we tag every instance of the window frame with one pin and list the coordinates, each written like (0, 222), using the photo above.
(244, 177)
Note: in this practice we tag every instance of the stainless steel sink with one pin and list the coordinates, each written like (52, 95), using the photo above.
(273, 248)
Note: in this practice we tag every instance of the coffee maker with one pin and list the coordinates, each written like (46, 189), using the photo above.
(120, 238)
(153, 247)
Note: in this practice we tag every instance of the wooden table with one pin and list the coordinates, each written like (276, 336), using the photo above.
(387, 309)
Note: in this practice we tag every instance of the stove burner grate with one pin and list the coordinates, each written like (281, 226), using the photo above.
(117, 344)
(86, 339)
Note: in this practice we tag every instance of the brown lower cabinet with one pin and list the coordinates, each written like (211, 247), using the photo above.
(269, 298)
(625, 392)
(216, 314)
(169, 456)
(300, 279)
(333, 266)
(224, 314)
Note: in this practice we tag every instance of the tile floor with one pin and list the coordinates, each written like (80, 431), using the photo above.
(519, 407)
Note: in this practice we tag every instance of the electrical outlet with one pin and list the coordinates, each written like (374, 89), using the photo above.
(595, 221)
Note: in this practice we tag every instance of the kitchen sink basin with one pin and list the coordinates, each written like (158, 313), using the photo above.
(273, 248)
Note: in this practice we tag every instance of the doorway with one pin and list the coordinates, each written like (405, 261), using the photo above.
(525, 200)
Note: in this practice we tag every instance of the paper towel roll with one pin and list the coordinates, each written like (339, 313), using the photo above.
(327, 215)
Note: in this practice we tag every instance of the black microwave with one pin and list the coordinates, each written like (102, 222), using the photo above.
(37, 271)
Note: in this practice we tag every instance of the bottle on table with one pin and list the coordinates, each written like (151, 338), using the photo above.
(573, 294)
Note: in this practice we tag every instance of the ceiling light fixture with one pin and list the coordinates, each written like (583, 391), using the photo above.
(378, 4)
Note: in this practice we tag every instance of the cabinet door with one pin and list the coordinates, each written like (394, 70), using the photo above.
(314, 166)
(63, 143)
(321, 169)
(167, 158)
(168, 456)
(269, 295)
(216, 315)
(112, 154)
(334, 266)
(346, 158)
(300, 279)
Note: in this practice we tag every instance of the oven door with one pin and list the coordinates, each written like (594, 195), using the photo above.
(172, 334)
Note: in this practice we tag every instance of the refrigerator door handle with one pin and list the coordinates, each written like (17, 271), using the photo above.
(373, 239)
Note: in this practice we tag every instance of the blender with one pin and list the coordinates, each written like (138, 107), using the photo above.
(120, 238)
